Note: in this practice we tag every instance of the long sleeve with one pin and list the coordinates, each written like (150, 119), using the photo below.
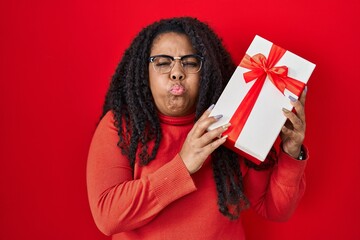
(118, 201)
(275, 193)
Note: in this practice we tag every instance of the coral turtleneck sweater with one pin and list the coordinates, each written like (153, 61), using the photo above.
(163, 201)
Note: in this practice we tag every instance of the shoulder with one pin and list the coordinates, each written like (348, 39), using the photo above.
(106, 126)
(108, 117)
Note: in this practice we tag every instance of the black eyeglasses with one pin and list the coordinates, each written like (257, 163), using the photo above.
(191, 63)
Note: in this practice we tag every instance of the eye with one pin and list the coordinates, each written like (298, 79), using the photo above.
(159, 64)
(162, 61)
(191, 62)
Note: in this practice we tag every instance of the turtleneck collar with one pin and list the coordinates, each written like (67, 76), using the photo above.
(182, 120)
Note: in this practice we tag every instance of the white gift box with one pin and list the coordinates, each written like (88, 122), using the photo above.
(266, 118)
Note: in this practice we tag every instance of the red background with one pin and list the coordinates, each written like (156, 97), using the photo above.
(56, 61)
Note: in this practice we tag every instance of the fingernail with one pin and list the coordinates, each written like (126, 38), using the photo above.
(305, 89)
(224, 137)
(211, 107)
(217, 117)
(226, 126)
(285, 110)
(292, 98)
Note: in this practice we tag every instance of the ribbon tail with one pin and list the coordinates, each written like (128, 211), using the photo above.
(294, 86)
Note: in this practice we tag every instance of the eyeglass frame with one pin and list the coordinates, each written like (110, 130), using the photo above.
(151, 60)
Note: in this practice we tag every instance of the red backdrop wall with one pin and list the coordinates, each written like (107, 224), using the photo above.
(56, 61)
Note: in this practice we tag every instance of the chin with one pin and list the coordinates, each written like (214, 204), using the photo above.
(182, 111)
(177, 108)
(175, 111)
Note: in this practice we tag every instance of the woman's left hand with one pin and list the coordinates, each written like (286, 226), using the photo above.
(293, 132)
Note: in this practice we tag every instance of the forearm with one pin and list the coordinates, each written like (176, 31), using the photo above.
(276, 193)
(133, 203)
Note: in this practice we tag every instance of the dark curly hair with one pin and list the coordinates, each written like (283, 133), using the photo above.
(130, 99)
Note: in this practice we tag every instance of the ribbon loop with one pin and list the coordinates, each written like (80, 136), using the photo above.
(259, 65)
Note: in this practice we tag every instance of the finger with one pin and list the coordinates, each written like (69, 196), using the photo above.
(289, 125)
(203, 116)
(208, 149)
(295, 120)
(287, 133)
(213, 134)
(207, 112)
(303, 96)
(295, 137)
(299, 108)
(202, 125)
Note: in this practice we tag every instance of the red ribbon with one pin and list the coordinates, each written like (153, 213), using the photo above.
(260, 69)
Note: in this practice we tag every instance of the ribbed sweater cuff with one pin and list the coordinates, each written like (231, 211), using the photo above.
(171, 182)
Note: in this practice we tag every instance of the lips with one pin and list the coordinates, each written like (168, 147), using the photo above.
(177, 90)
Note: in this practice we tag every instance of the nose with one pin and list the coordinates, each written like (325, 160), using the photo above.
(177, 72)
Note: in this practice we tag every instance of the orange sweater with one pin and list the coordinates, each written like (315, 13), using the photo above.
(163, 201)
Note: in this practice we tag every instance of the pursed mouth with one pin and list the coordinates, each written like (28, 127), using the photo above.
(177, 90)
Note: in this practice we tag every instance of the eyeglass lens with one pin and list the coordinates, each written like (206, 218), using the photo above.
(164, 64)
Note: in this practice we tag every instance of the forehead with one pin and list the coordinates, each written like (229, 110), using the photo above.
(171, 43)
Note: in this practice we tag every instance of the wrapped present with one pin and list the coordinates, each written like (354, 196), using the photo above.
(254, 97)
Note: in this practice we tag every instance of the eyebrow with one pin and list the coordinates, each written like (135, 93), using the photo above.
(177, 57)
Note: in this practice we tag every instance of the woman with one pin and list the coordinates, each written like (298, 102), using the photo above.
(154, 172)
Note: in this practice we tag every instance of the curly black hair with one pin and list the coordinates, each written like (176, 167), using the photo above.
(130, 99)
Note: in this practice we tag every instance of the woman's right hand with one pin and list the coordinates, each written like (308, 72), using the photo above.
(199, 143)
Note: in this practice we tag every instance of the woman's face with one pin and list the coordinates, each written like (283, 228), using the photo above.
(175, 93)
